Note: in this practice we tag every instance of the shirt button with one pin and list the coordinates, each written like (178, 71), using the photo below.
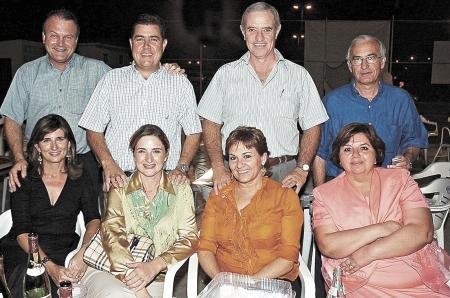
(370, 107)
(370, 123)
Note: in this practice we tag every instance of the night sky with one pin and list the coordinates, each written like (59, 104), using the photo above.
(215, 23)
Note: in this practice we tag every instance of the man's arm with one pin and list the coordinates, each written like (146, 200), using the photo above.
(188, 152)
(308, 146)
(112, 173)
(213, 143)
(14, 137)
(319, 171)
(405, 160)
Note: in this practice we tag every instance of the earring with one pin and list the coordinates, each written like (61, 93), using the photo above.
(40, 158)
(69, 158)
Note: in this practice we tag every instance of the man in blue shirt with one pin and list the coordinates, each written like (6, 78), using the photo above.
(368, 100)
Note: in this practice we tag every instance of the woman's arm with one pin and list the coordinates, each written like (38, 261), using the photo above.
(114, 234)
(414, 235)
(56, 272)
(209, 263)
(187, 240)
(289, 247)
(340, 244)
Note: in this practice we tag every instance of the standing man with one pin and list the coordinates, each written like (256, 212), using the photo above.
(263, 90)
(367, 99)
(61, 82)
(144, 92)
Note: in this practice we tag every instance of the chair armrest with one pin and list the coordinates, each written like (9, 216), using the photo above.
(170, 276)
(192, 276)
(307, 280)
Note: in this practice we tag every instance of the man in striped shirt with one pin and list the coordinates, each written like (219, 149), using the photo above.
(144, 92)
(264, 90)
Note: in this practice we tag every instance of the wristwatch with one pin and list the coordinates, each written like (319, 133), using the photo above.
(183, 167)
(45, 260)
(304, 167)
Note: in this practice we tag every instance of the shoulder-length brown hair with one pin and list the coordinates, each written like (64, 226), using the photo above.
(46, 125)
(348, 131)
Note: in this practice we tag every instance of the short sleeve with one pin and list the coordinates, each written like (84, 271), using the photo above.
(189, 117)
(17, 98)
(321, 216)
(312, 111)
(96, 114)
(411, 196)
(210, 106)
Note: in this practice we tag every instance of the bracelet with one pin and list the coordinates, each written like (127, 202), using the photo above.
(45, 260)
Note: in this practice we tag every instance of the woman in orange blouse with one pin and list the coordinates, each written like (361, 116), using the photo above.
(253, 225)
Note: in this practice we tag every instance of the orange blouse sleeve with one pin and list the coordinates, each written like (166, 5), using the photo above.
(208, 240)
(291, 225)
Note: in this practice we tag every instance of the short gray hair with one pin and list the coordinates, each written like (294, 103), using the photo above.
(261, 6)
(363, 38)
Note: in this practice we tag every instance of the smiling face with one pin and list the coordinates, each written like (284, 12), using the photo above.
(147, 47)
(260, 33)
(149, 156)
(53, 147)
(60, 40)
(366, 73)
(245, 163)
(357, 156)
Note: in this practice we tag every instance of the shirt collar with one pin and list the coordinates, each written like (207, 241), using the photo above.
(355, 91)
(70, 63)
(136, 184)
(136, 72)
(246, 57)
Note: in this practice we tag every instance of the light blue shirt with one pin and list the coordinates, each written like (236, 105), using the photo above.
(39, 89)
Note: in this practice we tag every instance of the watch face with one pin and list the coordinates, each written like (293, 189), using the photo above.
(184, 167)
(305, 167)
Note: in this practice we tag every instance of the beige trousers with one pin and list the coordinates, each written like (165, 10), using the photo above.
(101, 284)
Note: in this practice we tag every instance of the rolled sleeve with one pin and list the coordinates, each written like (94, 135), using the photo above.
(208, 240)
(414, 133)
(187, 239)
(291, 225)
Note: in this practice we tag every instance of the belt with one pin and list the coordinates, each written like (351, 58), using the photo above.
(273, 161)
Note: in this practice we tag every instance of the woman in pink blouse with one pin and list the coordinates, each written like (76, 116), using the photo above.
(375, 224)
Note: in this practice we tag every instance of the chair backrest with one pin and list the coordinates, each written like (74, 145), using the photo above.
(435, 168)
(439, 210)
(437, 187)
(307, 280)
(431, 124)
(5, 223)
(445, 135)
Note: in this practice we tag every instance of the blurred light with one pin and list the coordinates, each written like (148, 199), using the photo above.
(396, 61)
(302, 36)
(204, 46)
(429, 58)
(198, 62)
(308, 6)
(406, 67)
(411, 58)
(189, 62)
(295, 6)
(294, 36)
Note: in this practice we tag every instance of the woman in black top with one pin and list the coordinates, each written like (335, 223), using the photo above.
(48, 203)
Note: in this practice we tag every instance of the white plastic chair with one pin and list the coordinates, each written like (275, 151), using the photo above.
(434, 132)
(80, 229)
(307, 279)
(445, 135)
(439, 205)
(433, 169)
(5, 223)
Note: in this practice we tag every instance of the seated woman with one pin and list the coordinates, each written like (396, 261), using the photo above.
(253, 226)
(48, 203)
(376, 225)
(149, 205)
